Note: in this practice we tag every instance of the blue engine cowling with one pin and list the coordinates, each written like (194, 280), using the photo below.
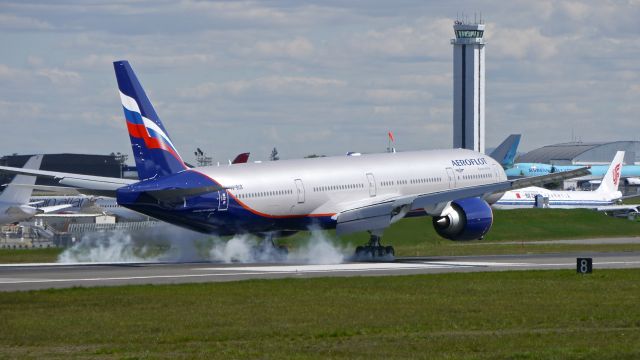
(465, 219)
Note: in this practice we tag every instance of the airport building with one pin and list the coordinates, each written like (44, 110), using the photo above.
(468, 86)
(583, 153)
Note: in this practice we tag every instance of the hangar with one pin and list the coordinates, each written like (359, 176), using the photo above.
(583, 153)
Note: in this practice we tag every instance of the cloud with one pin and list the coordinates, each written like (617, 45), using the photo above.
(424, 38)
(60, 77)
(104, 61)
(521, 43)
(397, 95)
(296, 48)
(299, 85)
(16, 22)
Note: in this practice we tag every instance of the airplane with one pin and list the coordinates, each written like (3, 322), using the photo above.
(630, 172)
(606, 194)
(277, 198)
(14, 199)
(506, 152)
(82, 204)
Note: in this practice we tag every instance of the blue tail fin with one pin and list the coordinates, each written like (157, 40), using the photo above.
(505, 153)
(152, 148)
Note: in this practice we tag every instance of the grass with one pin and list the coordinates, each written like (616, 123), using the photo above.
(416, 236)
(517, 315)
(29, 255)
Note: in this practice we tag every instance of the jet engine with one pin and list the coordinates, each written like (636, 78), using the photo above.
(465, 219)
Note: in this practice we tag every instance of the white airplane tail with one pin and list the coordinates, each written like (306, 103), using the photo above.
(20, 194)
(611, 179)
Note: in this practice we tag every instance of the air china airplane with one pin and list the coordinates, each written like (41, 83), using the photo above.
(606, 194)
(346, 193)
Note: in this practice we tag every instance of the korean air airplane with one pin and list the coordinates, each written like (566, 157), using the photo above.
(597, 171)
(606, 194)
(277, 198)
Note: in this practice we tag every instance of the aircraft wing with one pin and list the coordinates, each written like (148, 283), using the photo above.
(172, 195)
(380, 213)
(54, 208)
(86, 184)
(549, 178)
(53, 189)
(75, 215)
(630, 207)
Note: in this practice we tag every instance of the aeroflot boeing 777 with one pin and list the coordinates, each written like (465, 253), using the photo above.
(348, 193)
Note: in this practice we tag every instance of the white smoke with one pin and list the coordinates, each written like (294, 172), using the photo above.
(103, 247)
(169, 243)
(319, 249)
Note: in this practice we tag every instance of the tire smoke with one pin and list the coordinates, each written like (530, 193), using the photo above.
(169, 243)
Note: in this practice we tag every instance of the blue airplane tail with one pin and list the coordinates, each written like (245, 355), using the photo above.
(154, 153)
(506, 152)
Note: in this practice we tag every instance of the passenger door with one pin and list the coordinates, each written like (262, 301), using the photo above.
(300, 191)
(372, 184)
(452, 178)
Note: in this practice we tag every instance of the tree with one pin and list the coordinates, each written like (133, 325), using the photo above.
(274, 155)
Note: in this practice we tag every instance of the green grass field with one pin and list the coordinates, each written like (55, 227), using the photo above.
(416, 236)
(515, 315)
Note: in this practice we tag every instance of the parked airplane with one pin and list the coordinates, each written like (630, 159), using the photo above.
(346, 193)
(82, 204)
(596, 171)
(14, 199)
(606, 194)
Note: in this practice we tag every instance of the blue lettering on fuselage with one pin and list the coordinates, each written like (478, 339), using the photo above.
(467, 162)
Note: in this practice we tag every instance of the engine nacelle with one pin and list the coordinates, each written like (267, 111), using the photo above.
(465, 219)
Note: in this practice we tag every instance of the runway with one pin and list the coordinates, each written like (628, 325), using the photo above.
(45, 276)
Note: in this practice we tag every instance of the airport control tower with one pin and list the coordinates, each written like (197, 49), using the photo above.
(468, 86)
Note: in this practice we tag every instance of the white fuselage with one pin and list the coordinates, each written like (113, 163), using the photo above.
(526, 198)
(326, 186)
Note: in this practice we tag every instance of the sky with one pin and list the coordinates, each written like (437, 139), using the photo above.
(313, 77)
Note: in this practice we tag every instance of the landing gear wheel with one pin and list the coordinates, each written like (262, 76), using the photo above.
(389, 251)
(373, 251)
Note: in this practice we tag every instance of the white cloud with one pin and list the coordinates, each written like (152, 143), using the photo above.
(396, 95)
(521, 43)
(16, 22)
(575, 10)
(59, 76)
(298, 85)
(425, 37)
(296, 48)
(103, 61)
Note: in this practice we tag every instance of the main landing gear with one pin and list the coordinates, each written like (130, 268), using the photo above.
(268, 251)
(374, 251)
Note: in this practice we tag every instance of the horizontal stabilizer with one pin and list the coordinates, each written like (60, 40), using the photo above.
(84, 184)
(172, 195)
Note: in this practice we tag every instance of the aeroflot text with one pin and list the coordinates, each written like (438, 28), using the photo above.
(463, 162)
